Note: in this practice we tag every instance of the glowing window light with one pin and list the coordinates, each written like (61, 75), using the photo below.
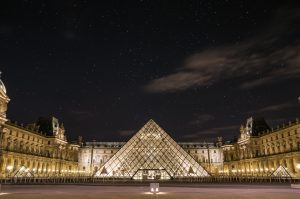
(298, 166)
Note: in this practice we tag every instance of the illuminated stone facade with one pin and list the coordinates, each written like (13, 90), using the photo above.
(260, 150)
(39, 149)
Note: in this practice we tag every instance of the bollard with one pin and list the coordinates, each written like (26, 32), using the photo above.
(154, 188)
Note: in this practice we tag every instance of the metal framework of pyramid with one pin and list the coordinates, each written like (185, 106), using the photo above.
(282, 172)
(23, 172)
(151, 154)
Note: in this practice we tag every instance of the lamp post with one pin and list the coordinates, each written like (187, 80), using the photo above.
(9, 170)
(1, 135)
(208, 156)
(92, 157)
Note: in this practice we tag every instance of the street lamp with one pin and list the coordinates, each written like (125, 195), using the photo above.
(9, 169)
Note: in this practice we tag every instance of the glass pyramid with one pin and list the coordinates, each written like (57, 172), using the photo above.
(23, 172)
(282, 172)
(151, 154)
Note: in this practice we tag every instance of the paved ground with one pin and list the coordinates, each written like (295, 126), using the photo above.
(140, 192)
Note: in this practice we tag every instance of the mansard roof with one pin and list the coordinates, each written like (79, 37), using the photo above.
(257, 125)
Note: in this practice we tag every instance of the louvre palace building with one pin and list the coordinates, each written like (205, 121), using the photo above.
(41, 149)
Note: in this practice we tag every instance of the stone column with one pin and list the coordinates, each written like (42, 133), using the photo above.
(2, 165)
(296, 162)
(292, 165)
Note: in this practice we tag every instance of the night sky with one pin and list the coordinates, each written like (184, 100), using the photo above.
(104, 68)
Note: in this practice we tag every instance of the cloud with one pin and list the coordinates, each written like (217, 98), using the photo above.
(277, 107)
(175, 82)
(202, 119)
(126, 132)
(270, 57)
(226, 128)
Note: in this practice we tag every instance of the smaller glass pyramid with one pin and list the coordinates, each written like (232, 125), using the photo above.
(282, 172)
(23, 172)
(151, 154)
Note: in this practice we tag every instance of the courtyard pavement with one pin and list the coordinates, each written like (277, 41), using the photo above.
(209, 191)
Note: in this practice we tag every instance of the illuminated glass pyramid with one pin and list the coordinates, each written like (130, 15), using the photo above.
(151, 154)
(23, 172)
(282, 172)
